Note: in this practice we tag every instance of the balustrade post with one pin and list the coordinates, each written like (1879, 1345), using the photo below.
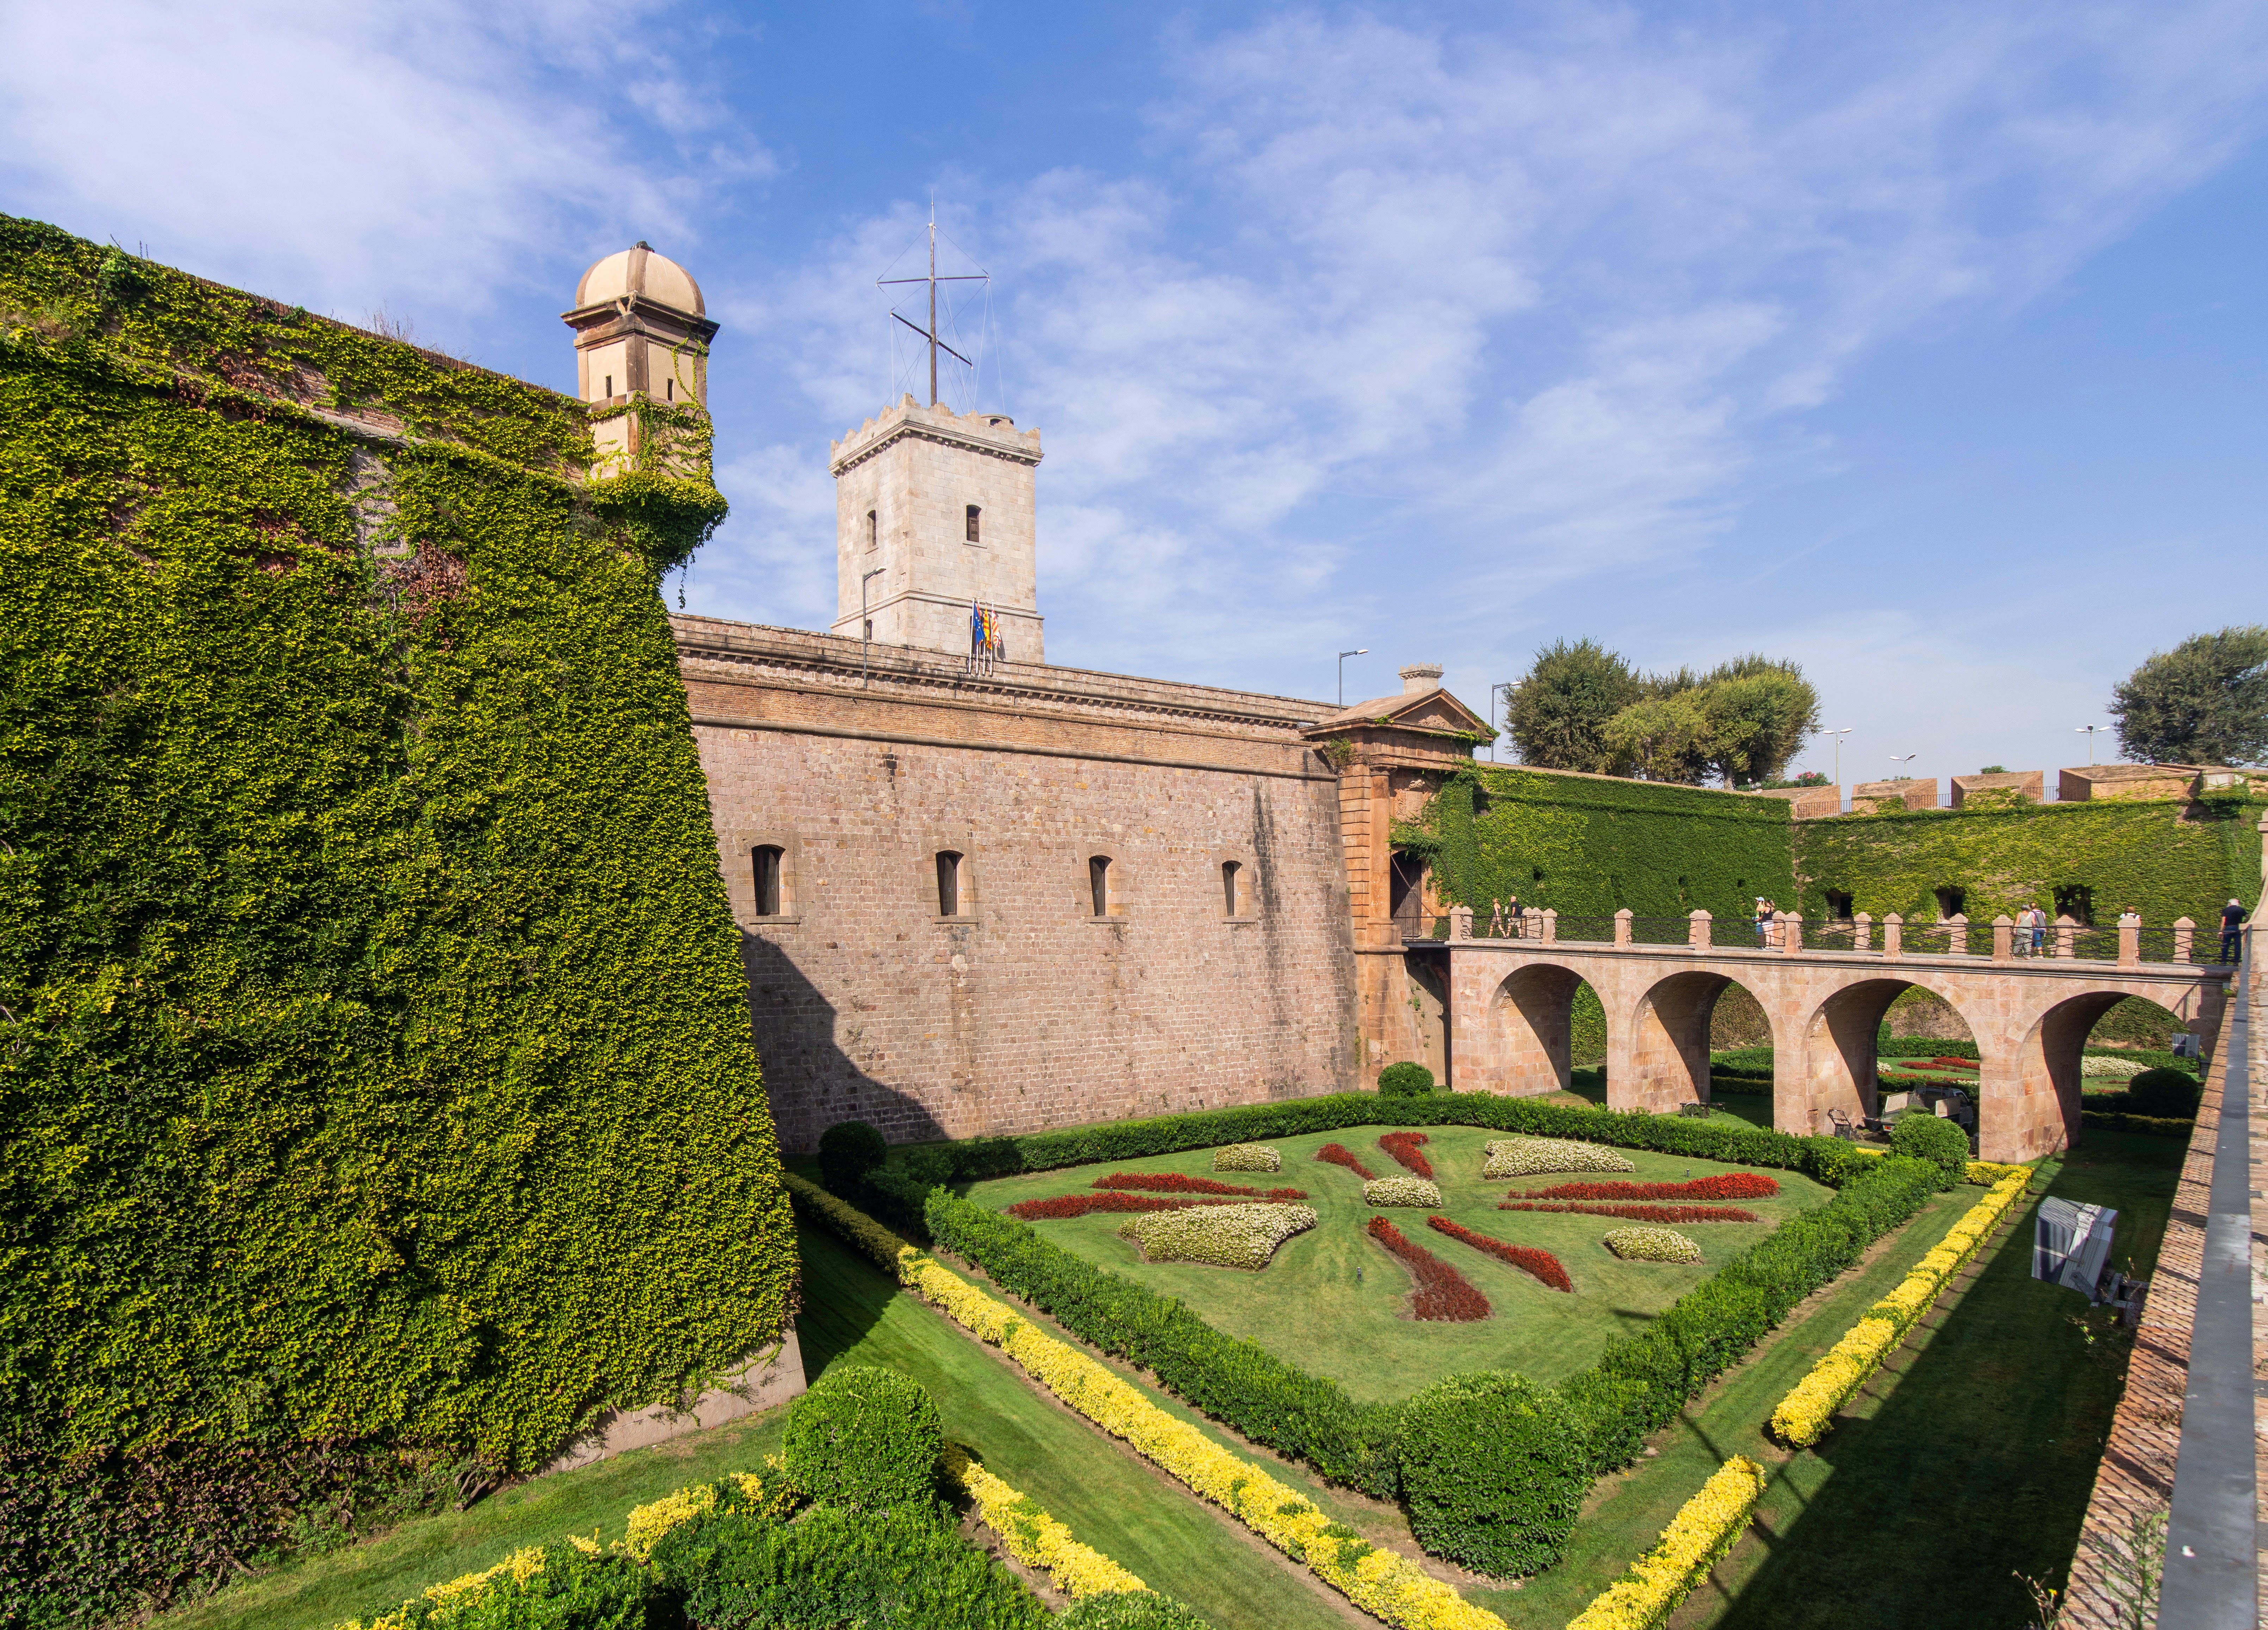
(1862, 929)
(1622, 926)
(2130, 938)
(1956, 935)
(1696, 935)
(1550, 925)
(1893, 934)
(2004, 938)
(2066, 929)
(1791, 941)
(1461, 922)
(2184, 939)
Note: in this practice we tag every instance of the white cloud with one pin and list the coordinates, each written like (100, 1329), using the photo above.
(351, 153)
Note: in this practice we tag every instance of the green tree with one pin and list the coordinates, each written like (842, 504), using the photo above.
(1560, 710)
(1664, 738)
(1760, 712)
(2205, 702)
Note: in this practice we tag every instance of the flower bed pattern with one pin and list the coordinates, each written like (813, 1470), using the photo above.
(1339, 1154)
(1034, 1538)
(1401, 1191)
(1652, 1245)
(1527, 1258)
(1803, 1415)
(1220, 1235)
(1638, 1213)
(1173, 1183)
(1728, 1185)
(1698, 1538)
(1085, 1205)
(1528, 1157)
(1246, 1157)
(1443, 1295)
(1402, 1145)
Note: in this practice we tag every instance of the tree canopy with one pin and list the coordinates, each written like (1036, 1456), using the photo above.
(2205, 702)
(1582, 707)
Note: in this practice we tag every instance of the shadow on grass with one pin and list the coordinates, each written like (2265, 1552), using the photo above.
(844, 1300)
(1972, 1461)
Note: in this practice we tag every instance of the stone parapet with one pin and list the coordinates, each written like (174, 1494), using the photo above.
(2000, 789)
(1806, 803)
(1880, 797)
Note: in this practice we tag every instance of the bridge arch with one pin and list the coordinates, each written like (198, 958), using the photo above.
(1661, 1058)
(1840, 1072)
(1531, 1029)
(2035, 1103)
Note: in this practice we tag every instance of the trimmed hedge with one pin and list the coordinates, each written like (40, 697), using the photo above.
(1404, 1080)
(1932, 1137)
(1486, 1471)
(2170, 1094)
(1131, 1610)
(848, 1151)
(865, 1437)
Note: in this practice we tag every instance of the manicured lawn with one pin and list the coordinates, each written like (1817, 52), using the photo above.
(1969, 1462)
(1334, 1300)
(852, 1315)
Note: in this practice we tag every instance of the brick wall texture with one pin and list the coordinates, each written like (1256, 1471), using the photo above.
(1024, 1011)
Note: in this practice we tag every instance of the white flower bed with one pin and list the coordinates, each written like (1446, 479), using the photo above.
(1246, 1157)
(2118, 1069)
(1652, 1245)
(1527, 1157)
(1401, 1191)
(1222, 1236)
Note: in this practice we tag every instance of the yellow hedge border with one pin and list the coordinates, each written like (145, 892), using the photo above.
(1697, 1540)
(1032, 1537)
(1983, 1173)
(1802, 1416)
(1383, 1583)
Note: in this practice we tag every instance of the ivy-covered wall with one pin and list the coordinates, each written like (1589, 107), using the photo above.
(374, 1054)
(1588, 847)
(2166, 859)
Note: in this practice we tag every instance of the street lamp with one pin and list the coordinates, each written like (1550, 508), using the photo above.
(1839, 736)
(1344, 655)
(2088, 732)
(1505, 690)
(866, 622)
(1907, 759)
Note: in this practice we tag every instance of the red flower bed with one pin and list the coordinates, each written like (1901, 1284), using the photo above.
(1641, 1213)
(1444, 1296)
(1730, 1185)
(1402, 1145)
(1081, 1205)
(1173, 1183)
(1528, 1258)
(1339, 1154)
(1954, 1064)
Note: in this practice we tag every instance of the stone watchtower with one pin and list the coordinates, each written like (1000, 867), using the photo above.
(641, 341)
(934, 509)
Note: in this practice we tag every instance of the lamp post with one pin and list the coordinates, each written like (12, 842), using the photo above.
(1505, 690)
(1839, 736)
(866, 622)
(2088, 731)
(1344, 655)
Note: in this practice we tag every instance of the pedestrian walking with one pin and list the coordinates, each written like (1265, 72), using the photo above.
(2231, 930)
(1763, 919)
(2036, 920)
(1496, 920)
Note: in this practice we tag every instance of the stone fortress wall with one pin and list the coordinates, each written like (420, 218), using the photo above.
(1024, 1009)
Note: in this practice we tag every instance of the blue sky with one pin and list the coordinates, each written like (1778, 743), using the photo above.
(1923, 343)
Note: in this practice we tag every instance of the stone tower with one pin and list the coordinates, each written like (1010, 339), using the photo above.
(938, 504)
(641, 341)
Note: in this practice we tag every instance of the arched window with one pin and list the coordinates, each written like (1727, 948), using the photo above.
(1838, 905)
(975, 517)
(765, 858)
(874, 529)
(948, 884)
(1101, 887)
(1232, 901)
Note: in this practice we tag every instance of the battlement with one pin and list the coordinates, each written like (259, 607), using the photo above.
(992, 433)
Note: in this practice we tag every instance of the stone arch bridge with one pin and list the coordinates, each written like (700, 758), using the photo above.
(1510, 1004)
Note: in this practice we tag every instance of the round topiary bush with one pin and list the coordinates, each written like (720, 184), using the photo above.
(1494, 1469)
(1404, 1080)
(865, 1437)
(2168, 1092)
(848, 1151)
(1130, 1609)
(1932, 1137)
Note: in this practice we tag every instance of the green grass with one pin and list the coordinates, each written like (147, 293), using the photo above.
(852, 1315)
(1334, 1300)
(1967, 1461)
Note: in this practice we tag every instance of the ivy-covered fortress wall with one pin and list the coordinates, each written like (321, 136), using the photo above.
(374, 1051)
(2167, 859)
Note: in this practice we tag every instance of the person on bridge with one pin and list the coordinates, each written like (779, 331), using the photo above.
(2231, 930)
(1763, 919)
(2036, 921)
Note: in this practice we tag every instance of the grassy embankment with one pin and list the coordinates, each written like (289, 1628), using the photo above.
(852, 1315)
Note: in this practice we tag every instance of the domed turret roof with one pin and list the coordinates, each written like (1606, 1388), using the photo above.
(641, 271)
